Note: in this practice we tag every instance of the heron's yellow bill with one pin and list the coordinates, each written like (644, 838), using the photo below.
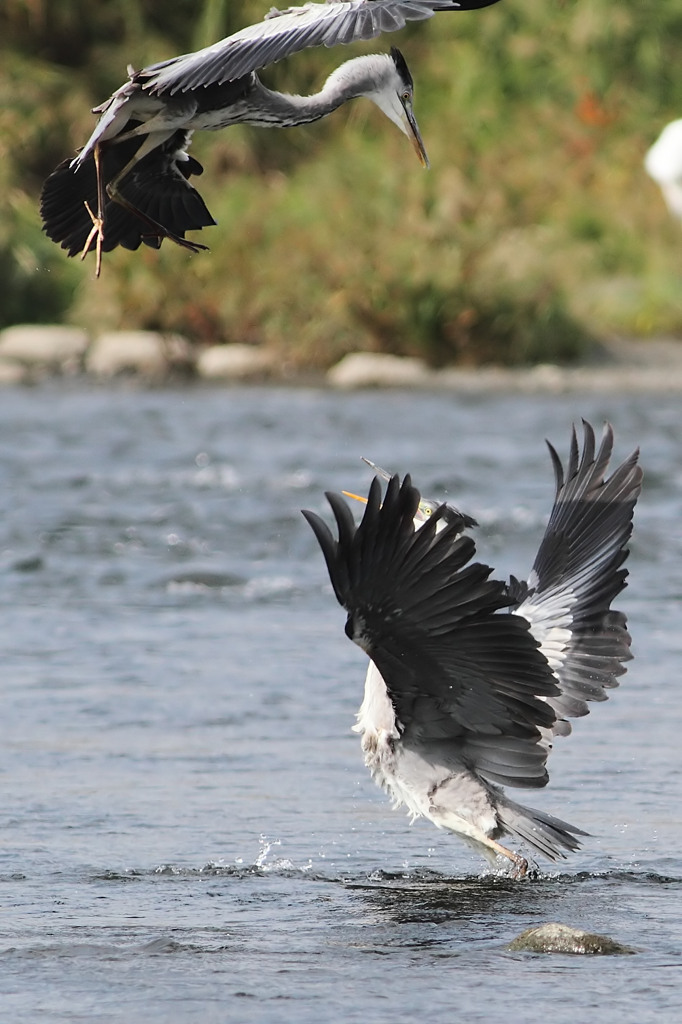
(411, 129)
(356, 496)
(418, 145)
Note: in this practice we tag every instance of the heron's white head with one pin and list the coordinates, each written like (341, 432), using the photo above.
(384, 79)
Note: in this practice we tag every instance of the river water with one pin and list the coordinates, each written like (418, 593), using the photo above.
(188, 833)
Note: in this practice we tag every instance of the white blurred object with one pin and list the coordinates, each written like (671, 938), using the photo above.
(663, 163)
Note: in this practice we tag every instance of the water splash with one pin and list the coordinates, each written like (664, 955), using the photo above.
(262, 861)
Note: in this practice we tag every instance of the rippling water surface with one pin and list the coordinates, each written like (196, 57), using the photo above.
(187, 832)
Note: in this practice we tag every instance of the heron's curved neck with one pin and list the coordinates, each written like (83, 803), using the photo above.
(349, 81)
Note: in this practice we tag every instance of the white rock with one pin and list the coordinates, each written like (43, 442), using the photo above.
(377, 370)
(233, 362)
(44, 345)
(145, 352)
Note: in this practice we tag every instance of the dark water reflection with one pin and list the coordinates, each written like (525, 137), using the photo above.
(187, 829)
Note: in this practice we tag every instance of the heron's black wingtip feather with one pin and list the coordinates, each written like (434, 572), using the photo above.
(329, 549)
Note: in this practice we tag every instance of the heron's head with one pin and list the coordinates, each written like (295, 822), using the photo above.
(384, 79)
(394, 94)
(450, 516)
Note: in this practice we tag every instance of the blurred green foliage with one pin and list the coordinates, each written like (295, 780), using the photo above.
(535, 229)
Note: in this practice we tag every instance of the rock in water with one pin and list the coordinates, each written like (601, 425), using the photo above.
(560, 938)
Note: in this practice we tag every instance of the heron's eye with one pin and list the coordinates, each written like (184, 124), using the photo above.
(428, 511)
(406, 97)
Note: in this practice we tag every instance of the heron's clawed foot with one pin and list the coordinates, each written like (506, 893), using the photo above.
(519, 866)
(155, 238)
(155, 230)
(194, 247)
(97, 231)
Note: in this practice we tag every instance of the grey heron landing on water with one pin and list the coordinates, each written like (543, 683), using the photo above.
(130, 182)
(470, 677)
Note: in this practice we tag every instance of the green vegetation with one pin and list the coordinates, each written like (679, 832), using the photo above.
(535, 229)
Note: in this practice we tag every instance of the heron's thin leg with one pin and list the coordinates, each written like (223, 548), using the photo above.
(520, 869)
(97, 221)
(155, 228)
(111, 190)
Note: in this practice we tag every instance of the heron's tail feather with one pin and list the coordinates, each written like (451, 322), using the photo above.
(157, 186)
(548, 835)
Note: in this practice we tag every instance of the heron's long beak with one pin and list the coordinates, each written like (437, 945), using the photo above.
(411, 129)
(383, 473)
(378, 470)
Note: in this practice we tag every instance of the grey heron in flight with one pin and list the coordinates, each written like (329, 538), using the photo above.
(663, 163)
(470, 677)
(130, 182)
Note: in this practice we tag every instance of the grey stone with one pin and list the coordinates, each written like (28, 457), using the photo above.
(561, 938)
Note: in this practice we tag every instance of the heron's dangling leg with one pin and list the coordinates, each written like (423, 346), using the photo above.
(151, 142)
(155, 229)
(97, 221)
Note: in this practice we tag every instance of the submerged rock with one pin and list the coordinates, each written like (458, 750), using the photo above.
(561, 938)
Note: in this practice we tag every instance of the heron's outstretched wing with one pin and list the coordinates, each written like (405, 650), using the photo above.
(453, 668)
(578, 571)
(285, 32)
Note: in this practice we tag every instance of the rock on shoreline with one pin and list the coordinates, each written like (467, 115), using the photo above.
(31, 352)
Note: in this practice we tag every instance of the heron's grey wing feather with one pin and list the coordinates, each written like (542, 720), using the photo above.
(454, 669)
(578, 572)
(283, 33)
